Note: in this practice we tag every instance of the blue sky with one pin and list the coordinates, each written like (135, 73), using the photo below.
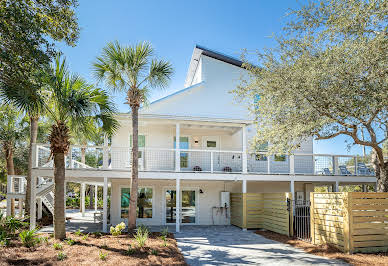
(173, 28)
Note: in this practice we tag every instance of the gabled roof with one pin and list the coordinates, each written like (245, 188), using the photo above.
(200, 50)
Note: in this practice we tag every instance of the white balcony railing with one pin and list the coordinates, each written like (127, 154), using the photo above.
(192, 160)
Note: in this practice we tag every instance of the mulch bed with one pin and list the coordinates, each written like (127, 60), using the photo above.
(328, 251)
(86, 250)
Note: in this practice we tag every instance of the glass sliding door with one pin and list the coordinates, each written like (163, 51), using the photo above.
(188, 207)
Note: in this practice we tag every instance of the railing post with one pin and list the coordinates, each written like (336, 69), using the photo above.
(244, 150)
(335, 165)
(177, 149)
(211, 162)
(314, 173)
(71, 162)
(268, 164)
(105, 154)
(292, 164)
(35, 155)
(355, 165)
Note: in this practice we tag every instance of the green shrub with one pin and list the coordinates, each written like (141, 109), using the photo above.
(70, 241)
(164, 236)
(57, 246)
(116, 230)
(12, 224)
(97, 234)
(43, 239)
(141, 236)
(28, 238)
(4, 243)
(102, 255)
(130, 250)
(78, 233)
(154, 252)
(61, 256)
(85, 236)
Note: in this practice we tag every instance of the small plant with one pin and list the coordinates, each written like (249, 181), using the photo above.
(130, 250)
(116, 231)
(97, 234)
(12, 224)
(51, 235)
(141, 235)
(78, 233)
(102, 255)
(70, 241)
(43, 239)
(85, 236)
(154, 252)
(28, 238)
(61, 256)
(164, 236)
(57, 246)
(4, 243)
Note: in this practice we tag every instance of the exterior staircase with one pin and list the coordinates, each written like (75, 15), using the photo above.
(46, 193)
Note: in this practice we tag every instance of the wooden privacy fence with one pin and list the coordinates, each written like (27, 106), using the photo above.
(351, 221)
(269, 211)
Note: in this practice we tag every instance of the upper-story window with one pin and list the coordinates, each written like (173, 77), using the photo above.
(211, 144)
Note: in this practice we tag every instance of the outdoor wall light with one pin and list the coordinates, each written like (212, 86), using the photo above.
(200, 191)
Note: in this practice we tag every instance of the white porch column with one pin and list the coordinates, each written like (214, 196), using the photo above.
(292, 189)
(105, 156)
(95, 197)
(39, 201)
(292, 164)
(336, 186)
(178, 205)
(364, 188)
(9, 190)
(33, 203)
(105, 206)
(244, 186)
(244, 150)
(82, 199)
(177, 148)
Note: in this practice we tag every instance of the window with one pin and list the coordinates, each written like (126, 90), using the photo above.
(183, 144)
(280, 158)
(261, 157)
(263, 147)
(141, 139)
(144, 202)
(211, 144)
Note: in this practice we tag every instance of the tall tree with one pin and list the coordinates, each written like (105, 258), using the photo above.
(133, 70)
(326, 77)
(28, 31)
(73, 103)
(11, 129)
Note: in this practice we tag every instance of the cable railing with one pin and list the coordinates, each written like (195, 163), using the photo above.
(208, 161)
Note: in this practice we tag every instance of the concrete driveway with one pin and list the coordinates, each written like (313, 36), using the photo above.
(221, 245)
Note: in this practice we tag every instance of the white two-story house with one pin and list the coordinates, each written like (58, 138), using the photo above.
(194, 150)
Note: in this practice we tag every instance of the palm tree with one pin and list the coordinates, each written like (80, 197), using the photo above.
(29, 98)
(11, 129)
(133, 70)
(73, 104)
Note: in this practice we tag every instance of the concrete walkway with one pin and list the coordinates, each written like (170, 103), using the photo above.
(229, 245)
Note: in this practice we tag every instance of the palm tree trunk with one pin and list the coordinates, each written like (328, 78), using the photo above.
(59, 204)
(10, 170)
(135, 169)
(33, 137)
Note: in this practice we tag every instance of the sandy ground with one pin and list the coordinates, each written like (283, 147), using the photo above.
(329, 252)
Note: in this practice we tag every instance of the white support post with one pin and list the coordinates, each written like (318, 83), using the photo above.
(105, 206)
(177, 148)
(268, 164)
(39, 201)
(71, 157)
(244, 186)
(292, 164)
(364, 188)
(35, 155)
(211, 161)
(244, 149)
(33, 203)
(105, 160)
(292, 188)
(336, 186)
(9, 190)
(95, 197)
(178, 205)
(83, 199)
